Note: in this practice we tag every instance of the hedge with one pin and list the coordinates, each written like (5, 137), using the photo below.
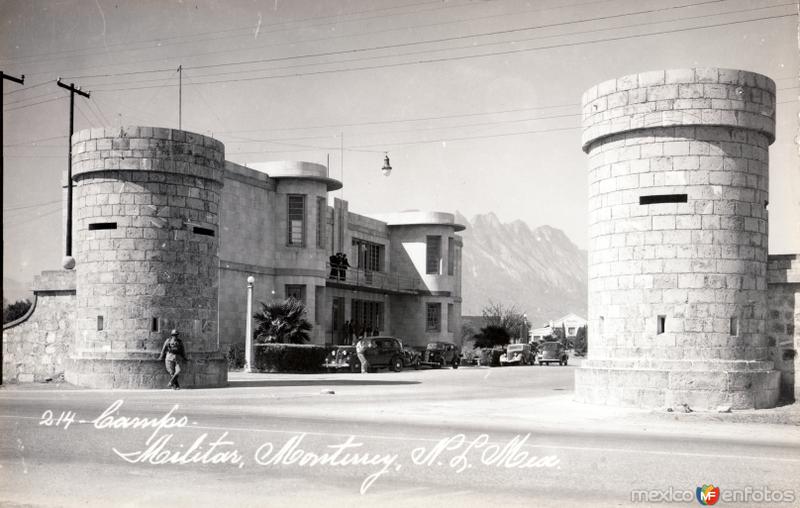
(290, 357)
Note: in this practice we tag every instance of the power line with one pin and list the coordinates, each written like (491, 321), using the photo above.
(467, 57)
(473, 46)
(361, 34)
(417, 129)
(418, 119)
(34, 205)
(34, 104)
(158, 40)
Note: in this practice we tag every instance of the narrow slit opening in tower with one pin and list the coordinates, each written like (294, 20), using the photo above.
(100, 323)
(654, 199)
(102, 225)
(661, 324)
(202, 231)
(734, 326)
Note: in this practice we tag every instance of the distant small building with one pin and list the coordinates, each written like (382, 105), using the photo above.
(570, 323)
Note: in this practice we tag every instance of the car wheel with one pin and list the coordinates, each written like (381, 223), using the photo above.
(566, 360)
(416, 364)
(541, 363)
(455, 365)
(397, 364)
(355, 367)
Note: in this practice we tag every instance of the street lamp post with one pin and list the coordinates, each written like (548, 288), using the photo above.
(525, 338)
(248, 340)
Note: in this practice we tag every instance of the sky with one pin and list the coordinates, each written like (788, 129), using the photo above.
(477, 103)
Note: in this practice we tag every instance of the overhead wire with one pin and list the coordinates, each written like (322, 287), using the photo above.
(466, 57)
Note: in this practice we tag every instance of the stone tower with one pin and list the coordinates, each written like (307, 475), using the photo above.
(678, 181)
(145, 241)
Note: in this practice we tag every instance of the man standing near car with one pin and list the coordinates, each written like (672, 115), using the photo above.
(361, 347)
(173, 353)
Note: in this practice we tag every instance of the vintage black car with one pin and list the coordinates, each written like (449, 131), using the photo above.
(553, 352)
(343, 358)
(384, 351)
(411, 358)
(439, 354)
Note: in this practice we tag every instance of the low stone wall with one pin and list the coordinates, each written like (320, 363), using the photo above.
(201, 370)
(783, 319)
(36, 346)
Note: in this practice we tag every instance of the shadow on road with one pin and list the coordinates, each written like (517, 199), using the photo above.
(316, 382)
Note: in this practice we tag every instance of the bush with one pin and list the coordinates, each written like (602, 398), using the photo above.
(235, 357)
(14, 311)
(290, 357)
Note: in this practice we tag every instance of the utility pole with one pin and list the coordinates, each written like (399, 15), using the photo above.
(69, 262)
(180, 95)
(21, 81)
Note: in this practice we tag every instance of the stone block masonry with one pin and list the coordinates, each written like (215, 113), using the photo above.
(146, 243)
(36, 347)
(783, 320)
(678, 183)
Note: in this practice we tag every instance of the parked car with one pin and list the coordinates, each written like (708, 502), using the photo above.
(518, 354)
(553, 352)
(343, 358)
(411, 358)
(384, 351)
(470, 357)
(439, 354)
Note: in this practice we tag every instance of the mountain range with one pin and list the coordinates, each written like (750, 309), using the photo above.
(540, 271)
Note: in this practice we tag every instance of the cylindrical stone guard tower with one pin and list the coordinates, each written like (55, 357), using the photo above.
(146, 238)
(678, 180)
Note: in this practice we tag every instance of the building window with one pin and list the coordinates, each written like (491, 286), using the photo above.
(369, 256)
(296, 291)
(451, 255)
(366, 316)
(433, 254)
(433, 322)
(734, 326)
(154, 324)
(322, 207)
(450, 317)
(570, 331)
(661, 324)
(100, 323)
(295, 220)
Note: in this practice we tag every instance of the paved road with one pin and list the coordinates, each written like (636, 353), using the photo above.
(429, 438)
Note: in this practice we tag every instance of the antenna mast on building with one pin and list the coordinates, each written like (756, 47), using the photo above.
(21, 81)
(180, 95)
(69, 262)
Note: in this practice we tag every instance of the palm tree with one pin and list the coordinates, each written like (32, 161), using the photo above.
(283, 322)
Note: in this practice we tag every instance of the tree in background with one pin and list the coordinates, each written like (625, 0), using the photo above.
(14, 311)
(497, 315)
(491, 336)
(582, 340)
(283, 322)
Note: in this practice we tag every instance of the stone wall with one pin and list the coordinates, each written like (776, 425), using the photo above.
(36, 346)
(783, 319)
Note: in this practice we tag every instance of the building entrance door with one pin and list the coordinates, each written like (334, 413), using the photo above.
(338, 332)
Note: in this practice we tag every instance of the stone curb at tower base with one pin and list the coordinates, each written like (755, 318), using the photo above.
(199, 371)
(706, 389)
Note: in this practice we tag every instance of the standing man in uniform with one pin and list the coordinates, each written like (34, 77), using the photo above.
(361, 348)
(172, 353)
